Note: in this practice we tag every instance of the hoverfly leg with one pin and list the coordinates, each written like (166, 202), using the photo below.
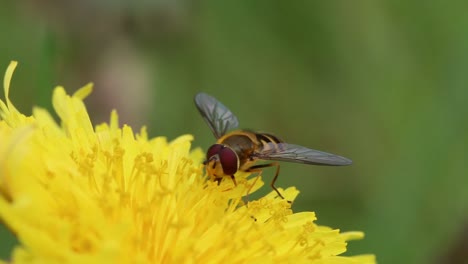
(234, 180)
(252, 185)
(218, 180)
(257, 168)
(272, 184)
(235, 184)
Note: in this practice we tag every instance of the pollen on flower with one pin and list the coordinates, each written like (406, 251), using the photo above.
(72, 192)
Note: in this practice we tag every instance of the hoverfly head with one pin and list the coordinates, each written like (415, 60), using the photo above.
(221, 160)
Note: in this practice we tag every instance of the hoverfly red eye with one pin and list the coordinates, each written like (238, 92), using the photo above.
(213, 150)
(229, 161)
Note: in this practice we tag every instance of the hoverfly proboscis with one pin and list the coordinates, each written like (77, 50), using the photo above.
(240, 150)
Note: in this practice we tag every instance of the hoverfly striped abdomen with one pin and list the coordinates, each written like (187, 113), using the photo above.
(269, 142)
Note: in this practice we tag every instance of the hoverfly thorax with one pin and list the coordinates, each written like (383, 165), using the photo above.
(221, 161)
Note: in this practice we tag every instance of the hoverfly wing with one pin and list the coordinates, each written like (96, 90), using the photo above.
(300, 154)
(218, 117)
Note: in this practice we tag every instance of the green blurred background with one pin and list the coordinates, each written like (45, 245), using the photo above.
(384, 83)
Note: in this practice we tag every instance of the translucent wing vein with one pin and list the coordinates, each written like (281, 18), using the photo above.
(218, 117)
(299, 154)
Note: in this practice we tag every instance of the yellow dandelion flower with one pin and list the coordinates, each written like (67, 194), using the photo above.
(72, 193)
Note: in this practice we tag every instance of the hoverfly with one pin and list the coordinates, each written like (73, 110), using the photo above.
(240, 150)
